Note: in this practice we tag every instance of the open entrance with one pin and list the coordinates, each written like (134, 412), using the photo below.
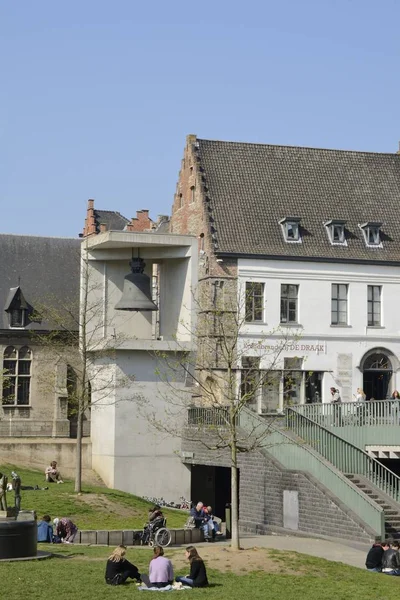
(212, 486)
(377, 375)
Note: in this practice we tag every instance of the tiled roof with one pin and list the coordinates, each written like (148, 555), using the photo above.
(251, 187)
(113, 219)
(45, 268)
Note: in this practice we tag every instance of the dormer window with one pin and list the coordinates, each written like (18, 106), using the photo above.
(291, 229)
(372, 233)
(336, 233)
(17, 317)
(17, 308)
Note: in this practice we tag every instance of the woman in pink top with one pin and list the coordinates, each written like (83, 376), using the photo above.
(161, 572)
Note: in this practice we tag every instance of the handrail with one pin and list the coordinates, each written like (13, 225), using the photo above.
(298, 456)
(344, 455)
(366, 414)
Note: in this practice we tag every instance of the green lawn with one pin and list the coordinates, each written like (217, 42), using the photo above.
(78, 574)
(96, 508)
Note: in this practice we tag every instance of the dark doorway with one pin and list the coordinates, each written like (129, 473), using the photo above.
(391, 463)
(212, 486)
(377, 373)
(376, 384)
(314, 387)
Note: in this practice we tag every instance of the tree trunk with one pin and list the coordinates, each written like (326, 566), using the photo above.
(78, 465)
(235, 542)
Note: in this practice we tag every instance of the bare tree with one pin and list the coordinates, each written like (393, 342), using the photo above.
(228, 371)
(76, 341)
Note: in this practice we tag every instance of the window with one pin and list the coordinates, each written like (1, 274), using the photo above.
(17, 317)
(336, 233)
(250, 379)
(17, 376)
(180, 200)
(254, 301)
(292, 380)
(192, 193)
(374, 305)
(339, 304)
(289, 297)
(291, 229)
(372, 233)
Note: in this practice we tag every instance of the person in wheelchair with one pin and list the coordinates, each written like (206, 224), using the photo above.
(156, 521)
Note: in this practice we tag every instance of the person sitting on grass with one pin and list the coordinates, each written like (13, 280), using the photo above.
(198, 575)
(373, 561)
(391, 559)
(45, 530)
(161, 572)
(53, 475)
(118, 569)
(66, 530)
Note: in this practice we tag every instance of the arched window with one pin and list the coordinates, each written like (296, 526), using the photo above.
(16, 376)
(377, 362)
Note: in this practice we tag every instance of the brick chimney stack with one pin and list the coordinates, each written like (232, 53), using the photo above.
(90, 221)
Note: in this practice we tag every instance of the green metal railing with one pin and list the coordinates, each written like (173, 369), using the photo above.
(355, 414)
(301, 457)
(279, 444)
(208, 416)
(345, 456)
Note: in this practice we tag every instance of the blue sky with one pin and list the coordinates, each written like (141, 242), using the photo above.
(96, 97)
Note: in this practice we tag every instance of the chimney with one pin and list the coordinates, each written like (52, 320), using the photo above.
(90, 221)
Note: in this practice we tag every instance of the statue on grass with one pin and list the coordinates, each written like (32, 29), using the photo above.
(17, 490)
(3, 492)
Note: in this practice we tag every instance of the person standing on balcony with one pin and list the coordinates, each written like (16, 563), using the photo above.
(360, 399)
(337, 411)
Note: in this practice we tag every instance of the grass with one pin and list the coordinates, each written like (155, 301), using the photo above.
(96, 508)
(78, 573)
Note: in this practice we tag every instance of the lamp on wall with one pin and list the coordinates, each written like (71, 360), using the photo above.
(136, 294)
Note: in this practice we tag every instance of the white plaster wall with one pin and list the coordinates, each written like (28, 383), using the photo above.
(318, 341)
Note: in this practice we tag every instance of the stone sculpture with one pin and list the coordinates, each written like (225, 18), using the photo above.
(3, 492)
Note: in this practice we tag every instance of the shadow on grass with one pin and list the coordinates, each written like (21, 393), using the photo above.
(55, 555)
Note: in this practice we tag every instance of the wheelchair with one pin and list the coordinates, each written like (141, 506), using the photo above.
(156, 534)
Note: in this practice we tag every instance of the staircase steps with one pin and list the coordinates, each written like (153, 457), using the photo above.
(390, 508)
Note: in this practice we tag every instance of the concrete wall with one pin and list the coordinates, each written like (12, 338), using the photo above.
(129, 453)
(39, 453)
(262, 483)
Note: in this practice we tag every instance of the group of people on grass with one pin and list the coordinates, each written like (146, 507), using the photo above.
(384, 557)
(64, 530)
(161, 572)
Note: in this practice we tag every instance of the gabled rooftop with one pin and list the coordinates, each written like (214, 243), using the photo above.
(250, 188)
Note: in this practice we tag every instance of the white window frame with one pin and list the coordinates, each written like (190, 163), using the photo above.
(252, 283)
(330, 228)
(372, 230)
(294, 223)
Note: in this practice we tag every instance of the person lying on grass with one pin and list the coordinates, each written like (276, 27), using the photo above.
(161, 572)
(198, 575)
(118, 569)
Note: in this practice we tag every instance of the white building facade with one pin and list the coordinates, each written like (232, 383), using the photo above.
(333, 324)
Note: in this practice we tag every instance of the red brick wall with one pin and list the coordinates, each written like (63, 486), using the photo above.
(141, 222)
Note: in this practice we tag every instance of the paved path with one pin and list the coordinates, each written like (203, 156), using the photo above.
(340, 551)
(337, 551)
